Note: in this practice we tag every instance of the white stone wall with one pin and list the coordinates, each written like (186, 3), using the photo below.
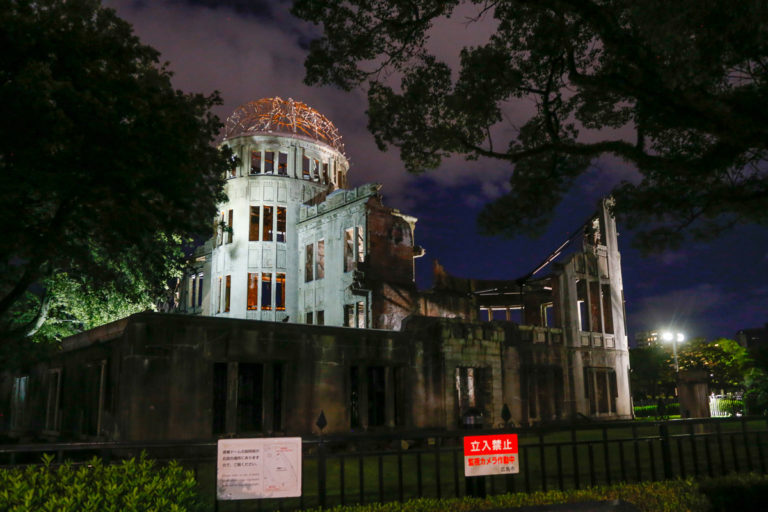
(244, 190)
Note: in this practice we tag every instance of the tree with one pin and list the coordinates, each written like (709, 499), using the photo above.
(725, 361)
(677, 89)
(651, 375)
(105, 170)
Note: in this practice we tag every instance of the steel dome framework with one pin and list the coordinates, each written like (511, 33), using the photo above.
(270, 115)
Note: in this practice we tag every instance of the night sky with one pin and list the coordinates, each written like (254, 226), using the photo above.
(253, 49)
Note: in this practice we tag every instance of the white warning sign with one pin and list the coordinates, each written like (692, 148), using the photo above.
(258, 468)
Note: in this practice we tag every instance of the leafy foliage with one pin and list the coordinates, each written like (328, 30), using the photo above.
(105, 169)
(675, 495)
(652, 374)
(133, 485)
(676, 89)
(724, 360)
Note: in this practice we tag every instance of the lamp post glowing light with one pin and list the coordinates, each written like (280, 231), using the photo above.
(675, 339)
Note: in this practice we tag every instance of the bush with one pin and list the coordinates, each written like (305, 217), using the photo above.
(736, 492)
(669, 496)
(648, 411)
(133, 485)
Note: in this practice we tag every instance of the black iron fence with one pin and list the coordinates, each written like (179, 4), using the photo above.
(378, 467)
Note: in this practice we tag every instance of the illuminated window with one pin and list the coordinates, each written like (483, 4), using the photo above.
(228, 294)
(253, 291)
(269, 162)
(280, 292)
(282, 164)
(266, 291)
(255, 162)
(281, 224)
(253, 230)
(361, 315)
(308, 262)
(266, 232)
(320, 260)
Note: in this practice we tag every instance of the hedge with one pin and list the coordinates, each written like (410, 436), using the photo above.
(133, 485)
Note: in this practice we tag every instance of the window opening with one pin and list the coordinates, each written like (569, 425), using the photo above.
(325, 173)
(192, 291)
(281, 223)
(255, 162)
(282, 164)
(320, 260)
(321, 317)
(269, 162)
(280, 292)
(376, 396)
(361, 315)
(607, 309)
(52, 400)
(250, 384)
(349, 315)
(253, 231)
(19, 401)
(305, 168)
(219, 397)
(309, 318)
(200, 289)
(218, 300)
(308, 263)
(253, 291)
(228, 294)
(349, 249)
(266, 291)
(266, 234)
(229, 226)
(360, 245)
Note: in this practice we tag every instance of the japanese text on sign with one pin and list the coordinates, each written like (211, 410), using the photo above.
(258, 468)
(490, 455)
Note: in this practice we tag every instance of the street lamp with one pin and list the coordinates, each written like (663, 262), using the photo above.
(675, 339)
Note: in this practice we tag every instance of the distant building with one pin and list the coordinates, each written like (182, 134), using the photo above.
(304, 301)
(753, 338)
(645, 339)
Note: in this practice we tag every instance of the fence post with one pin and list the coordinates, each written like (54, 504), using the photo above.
(321, 473)
(666, 452)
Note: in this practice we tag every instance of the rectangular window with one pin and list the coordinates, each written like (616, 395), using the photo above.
(266, 291)
(282, 164)
(280, 292)
(315, 170)
(321, 317)
(229, 226)
(309, 318)
(360, 245)
(349, 249)
(200, 289)
(305, 168)
(219, 397)
(309, 264)
(253, 291)
(52, 400)
(361, 315)
(218, 301)
(250, 391)
(228, 294)
(253, 230)
(281, 223)
(255, 162)
(266, 233)
(320, 260)
(269, 162)
(349, 315)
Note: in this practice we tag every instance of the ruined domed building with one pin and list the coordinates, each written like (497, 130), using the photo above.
(304, 301)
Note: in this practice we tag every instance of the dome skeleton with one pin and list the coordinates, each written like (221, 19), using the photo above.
(269, 115)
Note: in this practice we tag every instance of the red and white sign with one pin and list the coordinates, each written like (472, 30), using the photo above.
(490, 455)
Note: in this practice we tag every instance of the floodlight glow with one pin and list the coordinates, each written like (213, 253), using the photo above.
(680, 337)
(667, 336)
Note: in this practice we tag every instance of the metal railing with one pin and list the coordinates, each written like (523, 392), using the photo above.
(380, 467)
